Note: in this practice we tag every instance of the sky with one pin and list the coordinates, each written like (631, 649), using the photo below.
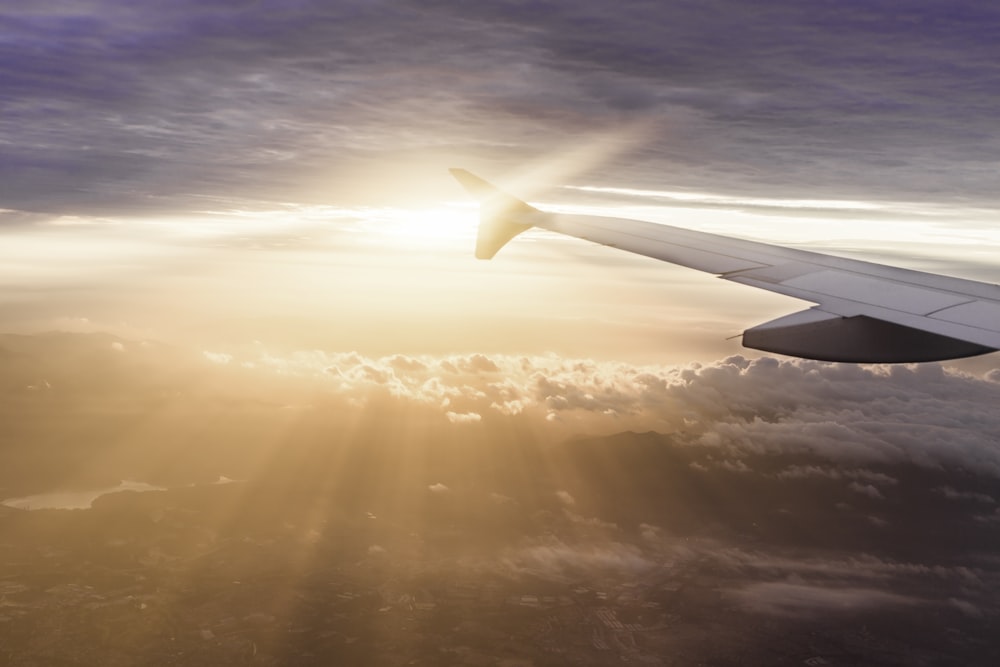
(229, 174)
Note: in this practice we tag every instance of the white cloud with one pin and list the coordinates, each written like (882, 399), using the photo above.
(854, 416)
(218, 357)
(650, 532)
(735, 466)
(501, 499)
(552, 557)
(463, 417)
(565, 498)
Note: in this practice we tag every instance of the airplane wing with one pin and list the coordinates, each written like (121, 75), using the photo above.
(864, 312)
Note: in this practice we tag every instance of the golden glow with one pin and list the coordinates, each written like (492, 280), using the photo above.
(403, 279)
(438, 226)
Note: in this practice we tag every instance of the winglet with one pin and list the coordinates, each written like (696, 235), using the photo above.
(501, 216)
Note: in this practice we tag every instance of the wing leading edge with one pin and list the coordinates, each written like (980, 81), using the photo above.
(864, 312)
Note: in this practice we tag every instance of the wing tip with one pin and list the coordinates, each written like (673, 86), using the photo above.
(474, 185)
(498, 213)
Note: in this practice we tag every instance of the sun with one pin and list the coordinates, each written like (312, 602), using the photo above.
(447, 224)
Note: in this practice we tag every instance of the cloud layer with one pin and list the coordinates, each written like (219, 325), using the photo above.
(852, 415)
(171, 106)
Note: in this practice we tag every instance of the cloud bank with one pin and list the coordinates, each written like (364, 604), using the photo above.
(925, 415)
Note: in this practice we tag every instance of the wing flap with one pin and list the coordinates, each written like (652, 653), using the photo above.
(961, 326)
(875, 291)
(981, 314)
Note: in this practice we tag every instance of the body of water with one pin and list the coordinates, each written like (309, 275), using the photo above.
(74, 500)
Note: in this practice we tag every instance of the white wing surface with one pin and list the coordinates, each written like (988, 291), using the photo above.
(864, 312)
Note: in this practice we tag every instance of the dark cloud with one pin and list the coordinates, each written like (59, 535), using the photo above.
(835, 571)
(785, 598)
(806, 471)
(954, 494)
(866, 490)
(153, 105)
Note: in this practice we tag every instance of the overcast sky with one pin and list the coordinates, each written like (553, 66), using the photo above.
(108, 105)
(146, 146)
